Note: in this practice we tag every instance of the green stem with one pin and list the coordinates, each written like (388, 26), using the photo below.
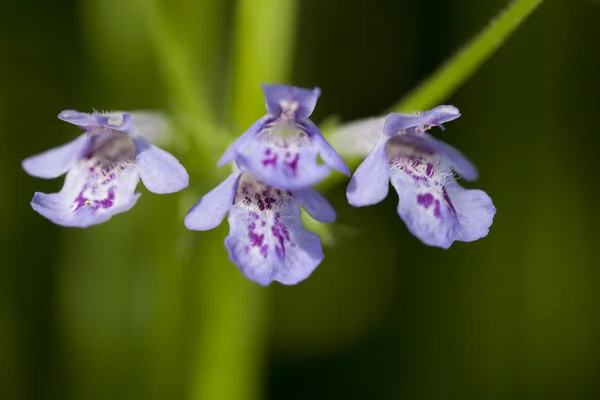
(186, 80)
(446, 80)
(463, 65)
(229, 360)
(263, 53)
(228, 352)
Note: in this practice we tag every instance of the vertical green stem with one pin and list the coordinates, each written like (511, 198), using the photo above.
(186, 65)
(230, 357)
(263, 53)
(227, 360)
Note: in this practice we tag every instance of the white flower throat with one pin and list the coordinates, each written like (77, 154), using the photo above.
(111, 153)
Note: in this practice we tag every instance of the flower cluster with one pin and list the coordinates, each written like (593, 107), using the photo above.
(275, 163)
(103, 166)
(435, 208)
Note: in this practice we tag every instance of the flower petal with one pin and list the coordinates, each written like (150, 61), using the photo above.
(453, 157)
(475, 211)
(327, 153)
(160, 171)
(76, 206)
(370, 182)
(83, 120)
(291, 168)
(395, 123)
(316, 205)
(267, 240)
(239, 145)
(210, 210)
(119, 121)
(57, 161)
(439, 215)
(448, 154)
(280, 98)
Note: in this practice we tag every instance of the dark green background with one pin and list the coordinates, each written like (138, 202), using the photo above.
(514, 315)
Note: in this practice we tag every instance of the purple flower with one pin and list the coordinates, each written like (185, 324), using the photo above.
(281, 149)
(266, 238)
(435, 208)
(103, 166)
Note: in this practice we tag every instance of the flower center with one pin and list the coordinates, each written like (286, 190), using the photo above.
(111, 154)
(284, 133)
(419, 164)
(265, 209)
(288, 109)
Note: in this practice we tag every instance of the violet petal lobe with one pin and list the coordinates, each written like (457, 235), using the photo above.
(396, 123)
(475, 211)
(119, 121)
(448, 155)
(89, 197)
(370, 182)
(267, 240)
(209, 211)
(316, 205)
(440, 215)
(283, 98)
(160, 171)
(57, 161)
(289, 168)
(240, 144)
(83, 120)
(453, 157)
(327, 153)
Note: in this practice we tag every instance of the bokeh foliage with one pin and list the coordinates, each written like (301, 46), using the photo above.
(141, 308)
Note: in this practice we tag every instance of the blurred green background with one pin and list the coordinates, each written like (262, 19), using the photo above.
(140, 308)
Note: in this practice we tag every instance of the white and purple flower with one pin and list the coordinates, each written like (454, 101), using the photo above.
(103, 166)
(281, 148)
(435, 208)
(266, 239)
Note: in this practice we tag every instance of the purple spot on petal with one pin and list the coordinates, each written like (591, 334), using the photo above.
(280, 252)
(281, 233)
(412, 174)
(256, 240)
(294, 163)
(426, 200)
(437, 212)
(269, 161)
(448, 201)
(429, 171)
(264, 250)
(107, 202)
(80, 200)
(259, 202)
